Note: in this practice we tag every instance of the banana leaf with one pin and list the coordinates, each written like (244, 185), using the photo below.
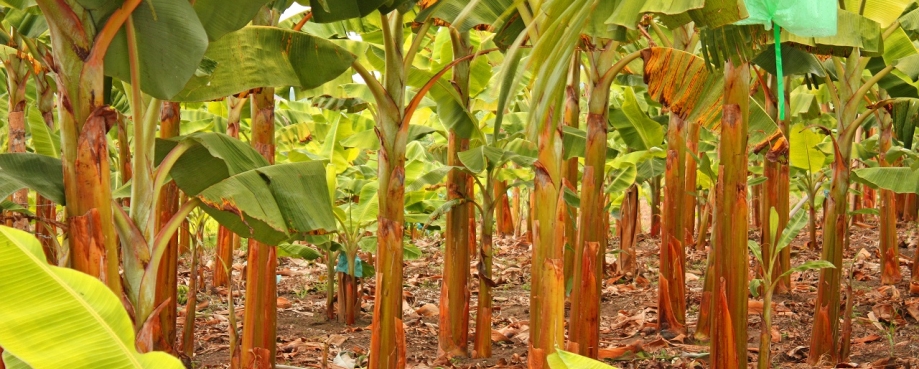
(64, 312)
(257, 56)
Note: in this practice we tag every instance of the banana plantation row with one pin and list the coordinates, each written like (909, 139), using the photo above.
(346, 126)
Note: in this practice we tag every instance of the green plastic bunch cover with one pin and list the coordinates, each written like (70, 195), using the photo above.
(806, 18)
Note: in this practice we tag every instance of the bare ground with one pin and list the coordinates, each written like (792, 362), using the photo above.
(885, 326)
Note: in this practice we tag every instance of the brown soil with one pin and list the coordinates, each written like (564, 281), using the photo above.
(885, 322)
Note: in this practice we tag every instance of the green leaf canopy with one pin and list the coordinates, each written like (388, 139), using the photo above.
(258, 56)
(61, 318)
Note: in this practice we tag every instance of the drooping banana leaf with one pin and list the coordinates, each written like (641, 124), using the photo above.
(794, 61)
(170, 44)
(212, 158)
(899, 180)
(242, 192)
(884, 12)
(258, 56)
(325, 11)
(853, 31)
(62, 311)
(44, 174)
(681, 82)
(761, 129)
(273, 204)
(705, 13)
(219, 17)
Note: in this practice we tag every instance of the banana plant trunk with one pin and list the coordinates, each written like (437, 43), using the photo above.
(704, 322)
(570, 169)
(689, 173)
(260, 318)
(17, 75)
(547, 292)
(824, 345)
(348, 289)
(890, 258)
(628, 231)
(484, 309)
(84, 120)
(776, 195)
(504, 219)
(729, 316)
(671, 287)
(453, 335)
(655, 229)
(387, 342)
(584, 323)
(227, 241)
(164, 338)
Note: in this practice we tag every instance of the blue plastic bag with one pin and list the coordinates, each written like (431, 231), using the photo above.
(342, 266)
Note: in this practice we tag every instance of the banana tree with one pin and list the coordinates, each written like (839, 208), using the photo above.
(708, 14)
(604, 64)
(554, 40)
(138, 231)
(847, 94)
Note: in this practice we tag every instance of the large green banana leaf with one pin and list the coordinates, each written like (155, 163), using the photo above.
(170, 44)
(60, 318)
(211, 158)
(794, 61)
(803, 151)
(220, 17)
(325, 11)
(257, 56)
(853, 31)
(705, 13)
(899, 180)
(884, 12)
(43, 174)
(272, 204)
(172, 36)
